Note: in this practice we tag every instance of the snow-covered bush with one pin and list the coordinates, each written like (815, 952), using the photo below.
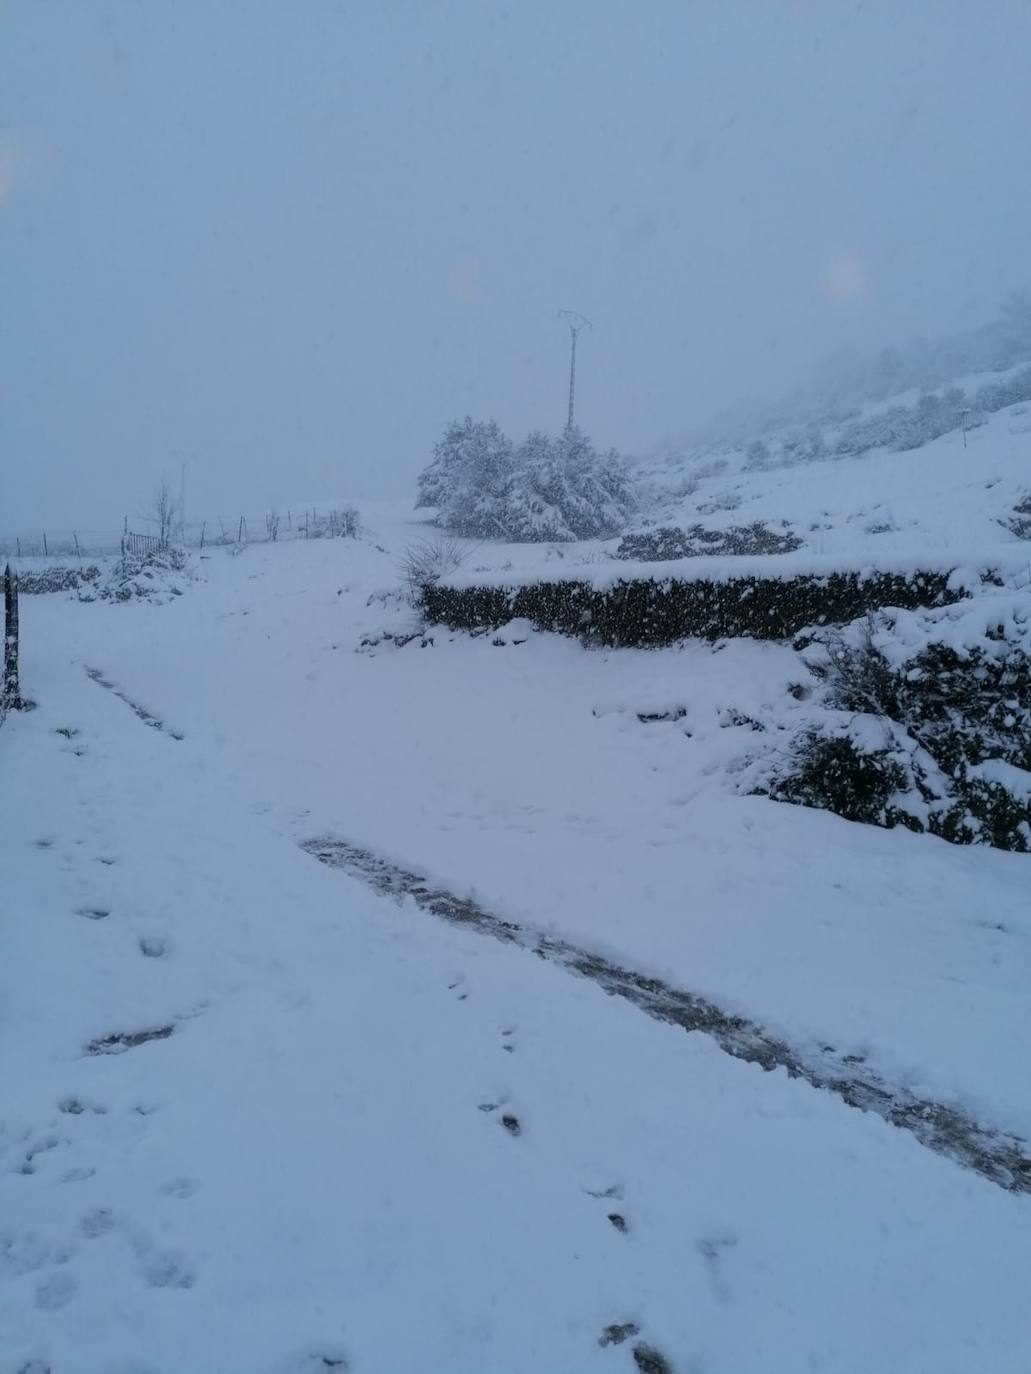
(158, 576)
(1019, 523)
(546, 489)
(654, 546)
(929, 724)
(426, 562)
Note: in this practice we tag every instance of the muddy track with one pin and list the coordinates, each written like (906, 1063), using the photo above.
(1002, 1158)
(141, 712)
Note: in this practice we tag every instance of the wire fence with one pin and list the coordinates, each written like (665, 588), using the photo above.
(272, 526)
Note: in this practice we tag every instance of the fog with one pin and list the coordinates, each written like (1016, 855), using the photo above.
(283, 244)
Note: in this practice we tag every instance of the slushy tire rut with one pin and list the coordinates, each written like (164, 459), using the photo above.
(1004, 1159)
(141, 712)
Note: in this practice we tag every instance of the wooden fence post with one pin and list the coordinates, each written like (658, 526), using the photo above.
(11, 699)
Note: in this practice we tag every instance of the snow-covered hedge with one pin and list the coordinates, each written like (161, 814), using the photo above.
(652, 611)
(484, 487)
(928, 726)
(57, 579)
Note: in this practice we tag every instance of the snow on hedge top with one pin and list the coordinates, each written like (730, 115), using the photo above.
(604, 574)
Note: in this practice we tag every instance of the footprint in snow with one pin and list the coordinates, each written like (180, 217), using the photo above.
(618, 1332)
(509, 1043)
(459, 987)
(99, 1221)
(77, 1175)
(55, 1291)
(713, 1251)
(25, 1252)
(651, 1361)
(508, 1119)
(167, 1269)
(616, 1216)
(73, 1106)
(152, 948)
(313, 1361)
(614, 1190)
(39, 1147)
(647, 1359)
(180, 1187)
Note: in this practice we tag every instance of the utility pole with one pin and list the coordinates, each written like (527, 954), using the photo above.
(576, 322)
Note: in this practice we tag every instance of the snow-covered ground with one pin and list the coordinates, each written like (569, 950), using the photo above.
(314, 1165)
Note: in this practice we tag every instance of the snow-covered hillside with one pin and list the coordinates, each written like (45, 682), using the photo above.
(261, 1119)
(952, 493)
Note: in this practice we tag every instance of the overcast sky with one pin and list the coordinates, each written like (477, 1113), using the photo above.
(289, 239)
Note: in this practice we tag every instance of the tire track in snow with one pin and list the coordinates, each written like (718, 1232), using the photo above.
(146, 716)
(1002, 1158)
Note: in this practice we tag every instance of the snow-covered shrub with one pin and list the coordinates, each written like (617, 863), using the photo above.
(667, 542)
(929, 724)
(837, 768)
(426, 562)
(157, 576)
(546, 489)
(1019, 523)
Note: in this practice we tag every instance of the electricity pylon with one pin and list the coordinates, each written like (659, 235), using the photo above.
(576, 322)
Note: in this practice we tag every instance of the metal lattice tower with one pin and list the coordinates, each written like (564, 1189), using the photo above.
(576, 322)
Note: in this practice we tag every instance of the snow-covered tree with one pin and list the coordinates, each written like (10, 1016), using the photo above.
(596, 495)
(547, 489)
(466, 481)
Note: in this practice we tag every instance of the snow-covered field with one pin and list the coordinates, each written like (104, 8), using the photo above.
(368, 1140)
